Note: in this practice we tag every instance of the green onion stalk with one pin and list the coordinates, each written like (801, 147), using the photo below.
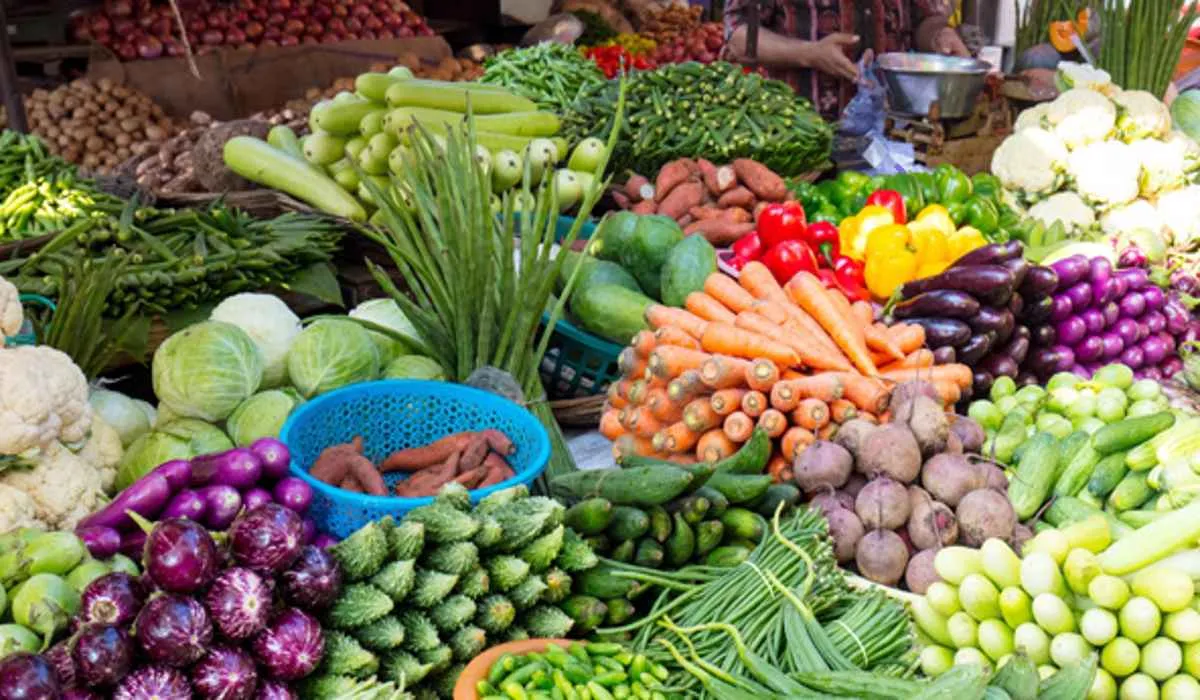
(478, 279)
(1142, 40)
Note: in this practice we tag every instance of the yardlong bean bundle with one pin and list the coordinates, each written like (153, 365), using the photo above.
(715, 111)
(1142, 40)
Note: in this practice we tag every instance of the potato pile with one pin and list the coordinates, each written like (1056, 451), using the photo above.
(97, 125)
(663, 24)
(894, 494)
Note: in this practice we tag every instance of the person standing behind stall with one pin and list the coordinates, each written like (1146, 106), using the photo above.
(806, 43)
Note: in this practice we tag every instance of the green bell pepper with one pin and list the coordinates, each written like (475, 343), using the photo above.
(908, 188)
(826, 213)
(982, 214)
(957, 212)
(928, 186)
(952, 184)
(875, 184)
(986, 184)
(854, 180)
(855, 203)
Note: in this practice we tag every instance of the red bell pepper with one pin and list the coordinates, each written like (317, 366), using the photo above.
(891, 200)
(748, 247)
(788, 258)
(824, 239)
(782, 221)
(849, 275)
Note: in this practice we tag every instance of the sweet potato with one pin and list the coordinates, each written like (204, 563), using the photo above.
(726, 179)
(330, 465)
(349, 483)
(737, 197)
(672, 175)
(760, 180)
(623, 201)
(471, 478)
(473, 454)
(681, 199)
(708, 174)
(416, 458)
(638, 188)
(719, 232)
(367, 475)
(498, 442)
(645, 207)
(705, 212)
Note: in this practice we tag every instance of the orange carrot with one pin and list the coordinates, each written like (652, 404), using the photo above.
(773, 421)
(868, 417)
(714, 445)
(738, 426)
(630, 364)
(779, 469)
(812, 414)
(842, 410)
(673, 335)
(661, 406)
(700, 416)
(868, 393)
(827, 432)
(811, 353)
(810, 294)
(878, 339)
(685, 387)
(641, 422)
(758, 280)
(610, 424)
(637, 392)
(725, 290)
(955, 374)
(726, 401)
(643, 343)
(676, 437)
(921, 357)
(724, 372)
(628, 445)
(949, 392)
(615, 398)
(707, 307)
(794, 440)
(885, 417)
(826, 386)
(909, 337)
(728, 339)
(659, 316)
(762, 375)
(620, 389)
(790, 374)
(669, 361)
(862, 312)
(754, 403)
(680, 458)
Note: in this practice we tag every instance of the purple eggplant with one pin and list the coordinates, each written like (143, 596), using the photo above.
(990, 284)
(239, 468)
(146, 497)
(103, 654)
(309, 529)
(226, 673)
(1018, 268)
(154, 683)
(998, 364)
(945, 355)
(1070, 270)
(313, 581)
(1177, 316)
(266, 538)
(1143, 330)
(1132, 256)
(1154, 298)
(1168, 340)
(240, 603)
(1099, 273)
(274, 457)
(1132, 305)
(990, 254)
(1089, 349)
(177, 472)
(81, 694)
(324, 540)
(1113, 345)
(113, 599)
(1061, 307)
(223, 503)
(291, 646)
(1037, 309)
(1152, 373)
(1120, 285)
(186, 504)
(26, 676)
(274, 690)
(1093, 320)
(972, 351)
(1185, 283)
(61, 661)
(1046, 361)
(1080, 295)
(293, 493)
(1071, 330)
(1127, 328)
(981, 382)
(1111, 312)
(133, 544)
(256, 497)
(1016, 305)
(1133, 357)
(1171, 366)
(1043, 335)
(942, 331)
(1018, 345)
(946, 303)
(101, 542)
(1135, 278)
(1039, 281)
(173, 630)
(181, 556)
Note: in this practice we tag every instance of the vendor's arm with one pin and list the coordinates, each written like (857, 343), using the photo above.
(777, 50)
(933, 31)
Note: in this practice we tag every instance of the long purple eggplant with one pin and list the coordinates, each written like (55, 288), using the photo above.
(981, 382)
(146, 497)
(945, 355)
(1019, 267)
(992, 319)
(998, 364)
(990, 284)
(976, 347)
(946, 303)
(1037, 309)
(1016, 304)
(942, 331)
(990, 254)
(1018, 345)
(101, 542)
(1040, 280)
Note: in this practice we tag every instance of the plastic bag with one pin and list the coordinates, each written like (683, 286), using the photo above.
(864, 114)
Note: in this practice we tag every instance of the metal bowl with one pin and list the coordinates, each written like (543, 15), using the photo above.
(914, 81)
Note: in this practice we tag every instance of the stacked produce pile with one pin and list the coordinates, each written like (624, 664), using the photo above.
(428, 592)
(702, 43)
(550, 74)
(140, 30)
(594, 667)
(41, 193)
(980, 310)
(744, 116)
(664, 22)
(43, 575)
(98, 125)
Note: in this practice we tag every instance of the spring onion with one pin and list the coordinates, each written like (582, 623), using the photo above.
(1161, 658)
(1032, 640)
(1140, 619)
(1052, 614)
(1098, 626)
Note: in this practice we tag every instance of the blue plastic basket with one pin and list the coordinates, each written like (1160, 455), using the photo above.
(395, 414)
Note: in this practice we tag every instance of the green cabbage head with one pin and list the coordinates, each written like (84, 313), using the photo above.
(183, 438)
(261, 415)
(206, 370)
(329, 354)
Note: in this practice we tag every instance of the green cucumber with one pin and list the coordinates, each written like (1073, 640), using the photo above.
(1107, 474)
(1132, 491)
(1074, 475)
(530, 124)
(681, 545)
(1034, 475)
(688, 265)
(628, 523)
(590, 516)
(747, 524)
(1009, 437)
(649, 554)
(786, 494)
(660, 523)
(1069, 447)
(740, 488)
(623, 552)
(602, 582)
(1065, 510)
(255, 160)
(727, 556)
(751, 458)
(342, 118)
(639, 486)
(611, 311)
(1131, 432)
(374, 86)
(322, 148)
(708, 536)
(693, 508)
(717, 503)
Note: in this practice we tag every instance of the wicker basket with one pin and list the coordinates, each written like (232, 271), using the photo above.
(263, 204)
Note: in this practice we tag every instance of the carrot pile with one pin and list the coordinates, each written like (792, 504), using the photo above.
(797, 360)
(473, 459)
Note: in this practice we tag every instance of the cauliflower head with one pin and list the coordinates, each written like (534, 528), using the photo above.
(1068, 209)
(1163, 165)
(1031, 161)
(11, 315)
(1070, 74)
(1143, 116)
(1081, 116)
(1188, 147)
(1180, 212)
(18, 510)
(43, 398)
(1138, 214)
(103, 450)
(1034, 117)
(63, 486)
(1105, 173)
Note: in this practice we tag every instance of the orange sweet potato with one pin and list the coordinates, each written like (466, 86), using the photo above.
(760, 179)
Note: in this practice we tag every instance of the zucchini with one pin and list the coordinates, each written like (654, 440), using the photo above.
(751, 458)
(1065, 510)
(341, 118)
(717, 503)
(1140, 517)
(255, 160)
(1034, 475)
(740, 488)
(455, 98)
(1069, 447)
(1107, 474)
(660, 523)
(372, 123)
(322, 148)
(1132, 491)
(374, 86)
(590, 516)
(1074, 474)
(639, 486)
(708, 536)
(628, 523)
(1131, 432)
(531, 124)
(282, 137)
(727, 556)
(740, 522)
(681, 545)
(649, 554)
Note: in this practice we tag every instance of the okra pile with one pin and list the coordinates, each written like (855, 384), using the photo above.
(584, 670)
(39, 192)
(714, 111)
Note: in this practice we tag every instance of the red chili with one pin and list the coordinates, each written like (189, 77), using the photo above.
(748, 247)
(786, 259)
(783, 221)
(825, 240)
(891, 200)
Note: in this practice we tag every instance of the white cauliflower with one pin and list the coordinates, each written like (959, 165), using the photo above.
(17, 510)
(1162, 165)
(1031, 161)
(1143, 116)
(1069, 74)
(11, 316)
(63, 486)
(1180, 212)
(1068, 209)
(1080, 116)
(43, 398)
(1138, 214)
(1106, 173)
(1034, 117)
(103, 451)
(1188, 147)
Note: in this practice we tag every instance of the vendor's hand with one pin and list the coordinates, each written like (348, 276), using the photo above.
(948, 42)
(829, 56)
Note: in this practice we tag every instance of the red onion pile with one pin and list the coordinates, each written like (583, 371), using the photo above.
(141, 29)
(702, 43)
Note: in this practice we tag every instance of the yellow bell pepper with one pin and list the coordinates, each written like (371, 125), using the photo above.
(931, 244)
(936, 216)
(854, 230)
(885, 239)
(931, 268)
(885, 272)
(963, 241)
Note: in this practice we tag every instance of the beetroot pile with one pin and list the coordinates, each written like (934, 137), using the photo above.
(895, 494)
(135, 29)
(235, 621)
